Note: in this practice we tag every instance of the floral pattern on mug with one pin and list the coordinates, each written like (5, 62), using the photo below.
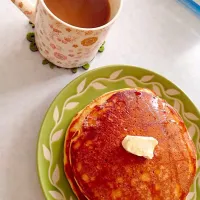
(53, 46)
(60, 43)
(60, 56)
(89, 41)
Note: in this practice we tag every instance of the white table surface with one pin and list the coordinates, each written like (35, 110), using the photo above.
(159, 35)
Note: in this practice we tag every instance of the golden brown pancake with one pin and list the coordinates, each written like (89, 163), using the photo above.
(99, 168)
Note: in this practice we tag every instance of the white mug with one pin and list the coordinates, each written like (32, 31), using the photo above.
(61, 43)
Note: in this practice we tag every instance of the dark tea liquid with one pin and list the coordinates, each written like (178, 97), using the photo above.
(81, 13)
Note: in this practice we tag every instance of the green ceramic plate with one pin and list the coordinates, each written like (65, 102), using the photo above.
(81, 91)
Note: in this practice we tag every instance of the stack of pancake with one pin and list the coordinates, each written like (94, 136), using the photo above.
(99, 168)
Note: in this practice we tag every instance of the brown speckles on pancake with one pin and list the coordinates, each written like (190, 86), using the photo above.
(116, 194)
(79, 167)
(145, 177)
(85, 178)
(119, 180)
(76, 145)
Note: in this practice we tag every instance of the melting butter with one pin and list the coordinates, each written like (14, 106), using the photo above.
(140, 145)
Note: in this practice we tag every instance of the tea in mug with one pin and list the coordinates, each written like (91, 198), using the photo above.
(81, 13)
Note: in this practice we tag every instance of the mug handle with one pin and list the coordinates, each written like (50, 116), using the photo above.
(27, 8)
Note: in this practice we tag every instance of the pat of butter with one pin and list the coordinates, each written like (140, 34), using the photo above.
(140, 145)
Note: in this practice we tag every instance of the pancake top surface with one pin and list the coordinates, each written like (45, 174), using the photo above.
(104, 170)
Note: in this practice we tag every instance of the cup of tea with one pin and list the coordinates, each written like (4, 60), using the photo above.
(69, 33)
